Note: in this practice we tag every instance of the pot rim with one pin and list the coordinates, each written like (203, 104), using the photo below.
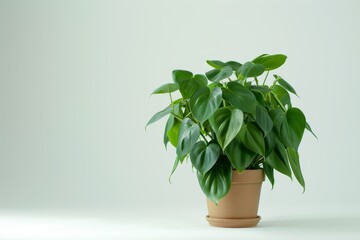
(248, 176)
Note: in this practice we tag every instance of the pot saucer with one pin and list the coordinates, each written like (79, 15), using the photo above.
(233, 222)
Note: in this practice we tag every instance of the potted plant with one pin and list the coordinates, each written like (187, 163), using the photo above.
(235, 129)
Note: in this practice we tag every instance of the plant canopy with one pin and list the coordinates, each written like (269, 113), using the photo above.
(230, 119)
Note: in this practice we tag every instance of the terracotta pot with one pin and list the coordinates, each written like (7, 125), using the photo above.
(239, 207)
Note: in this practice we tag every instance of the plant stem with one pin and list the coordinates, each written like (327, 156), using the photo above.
(266, 77)
(177, 116)
(172, 103)
(202, 135)
(256, 81)
(257, 161)
(279, 102)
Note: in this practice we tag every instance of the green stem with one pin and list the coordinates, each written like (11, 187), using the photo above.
(256, 81)
(257, 161)
(266, 77)
(202, 135)
(279, 102)
(172, 102)
(177, 116)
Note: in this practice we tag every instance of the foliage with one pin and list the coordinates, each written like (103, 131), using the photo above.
(226, 119)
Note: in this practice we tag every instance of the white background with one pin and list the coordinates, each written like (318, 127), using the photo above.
(75, 84)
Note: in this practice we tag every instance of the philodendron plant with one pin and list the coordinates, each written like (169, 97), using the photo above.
(230, 118)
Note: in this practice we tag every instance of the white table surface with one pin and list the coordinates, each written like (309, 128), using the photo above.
(278, 223)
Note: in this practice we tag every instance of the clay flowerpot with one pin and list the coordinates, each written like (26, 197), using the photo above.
(239, 207)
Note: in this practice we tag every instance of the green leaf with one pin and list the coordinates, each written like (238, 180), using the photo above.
(188, 135)
(269, 172)
(234, 65)
(166, 88)
(216, 75)
(170, 123)
(159, 115)
(204, 156)
(278, 160)
(261, 89)
(214, 85)
(239, 156)
(168, 126)
(278, 117)
(188, 83)
(189, 86)
(240, 97)
(295, 166)
(285, 84)
(216, 64)
(270, 62)
(259, 98)
(292, 128)
(307, 126)
(270, 141)
(282, 95)
(173, 132)
(219, 64)
(250, 69)
(263, 120)
(252, 138)
(216, 182)
(204, 102)
(226, 124)
(176, 163)
(274, 101)
(180, 75)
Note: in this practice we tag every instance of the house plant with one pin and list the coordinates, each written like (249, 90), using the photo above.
(235, 129)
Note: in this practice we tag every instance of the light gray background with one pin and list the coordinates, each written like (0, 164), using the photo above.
(75, 80)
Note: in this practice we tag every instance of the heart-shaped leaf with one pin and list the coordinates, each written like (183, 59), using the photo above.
(278, 160)
(277, 116)
(188, 83)
(173, 132)
(250, 69)
(295, 166)
(216, 64)
(239, 156)
(166, 88)
(292, 128)
(270, 141)
(240, 97)
(270, 62)
(216, 75)
(159, 115)
(252, 138)
(260, 89)
(285, 84)
(172, 127)
(180, 75)
(188, 135)
(226, 124)
(263, 120)
(204, 156)
(269, 172)
(216, 182)
(204, 102)
(234, 65)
